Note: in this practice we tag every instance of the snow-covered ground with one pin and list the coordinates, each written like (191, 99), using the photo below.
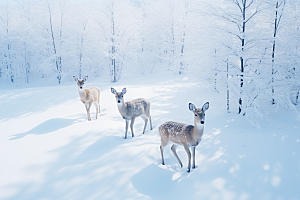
(48, 149)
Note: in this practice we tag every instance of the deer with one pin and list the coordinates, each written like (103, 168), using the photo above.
(131, 109)
(88, 96)
(186, 135)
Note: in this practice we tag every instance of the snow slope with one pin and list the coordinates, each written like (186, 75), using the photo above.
(48, 149)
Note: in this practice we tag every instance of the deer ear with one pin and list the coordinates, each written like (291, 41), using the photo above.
(124, 91)
(192, 107)
(113, 90)
(75, 78)
(205, 106)
(85, 78)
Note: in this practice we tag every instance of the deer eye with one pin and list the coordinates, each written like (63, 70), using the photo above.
(122, 96)
(196, 115)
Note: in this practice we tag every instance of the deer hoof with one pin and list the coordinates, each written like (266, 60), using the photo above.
(188, 170)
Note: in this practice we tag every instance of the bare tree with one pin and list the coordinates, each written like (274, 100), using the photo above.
(56, 43)
(113, 42)
(243, 15)
(84, 24)
(279, 7)
(108, 10)
(183, 37)
(7, 54)
(293, 27)
(117, 22)
(26, 40)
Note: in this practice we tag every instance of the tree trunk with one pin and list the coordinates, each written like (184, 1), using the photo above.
(57, 57)
(113, 49)
(181, 69)
(81, 50)
(227, 88)
(273, 51)
(241, 58)
(27, 65)
(181, 55)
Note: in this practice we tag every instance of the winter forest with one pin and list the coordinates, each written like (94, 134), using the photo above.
(248, 49)
(240, 56)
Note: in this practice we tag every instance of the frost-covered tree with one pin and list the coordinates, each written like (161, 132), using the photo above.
(27, 42)
(261, 57)
(278, 8)
(117, 21)
(182, 24)
(56, 39)
(7, 70)
(80, 39)
(245, 43)
(281, 64)
(292, 42)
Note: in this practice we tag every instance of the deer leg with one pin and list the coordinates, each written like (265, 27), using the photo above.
(189, 157)
(162, 154)
(98, 102)
(131, 125)
(146, 121)
(90, 105)
(193, 155)
(87, 107)
(173, 148)
(96, 105)
(162, 145)
(150, 123)
(126, 129)
(99, 107)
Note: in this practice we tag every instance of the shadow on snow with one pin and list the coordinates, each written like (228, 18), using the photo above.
(48, 126)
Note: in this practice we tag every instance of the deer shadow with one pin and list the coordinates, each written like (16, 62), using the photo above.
(157, 185)
(45, 127)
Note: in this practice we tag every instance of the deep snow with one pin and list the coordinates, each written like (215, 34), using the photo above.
(48, 149)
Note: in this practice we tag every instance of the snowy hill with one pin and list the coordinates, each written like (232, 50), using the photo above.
(48, 149)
